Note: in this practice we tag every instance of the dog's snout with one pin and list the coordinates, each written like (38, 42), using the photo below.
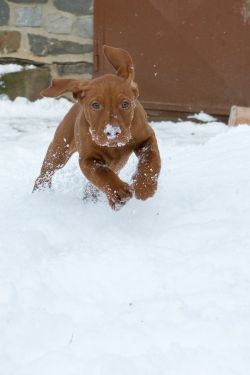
(112, 131)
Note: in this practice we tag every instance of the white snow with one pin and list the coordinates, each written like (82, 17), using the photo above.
(203, 117)
(21, 108)
(12, 68)
(160, 287)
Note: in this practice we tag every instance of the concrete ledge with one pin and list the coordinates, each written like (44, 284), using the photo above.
(27, 83)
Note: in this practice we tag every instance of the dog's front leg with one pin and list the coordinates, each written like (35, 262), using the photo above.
(99, 174)
(56, 157)
(145, 178)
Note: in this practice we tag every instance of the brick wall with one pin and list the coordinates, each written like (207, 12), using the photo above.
(52, 34)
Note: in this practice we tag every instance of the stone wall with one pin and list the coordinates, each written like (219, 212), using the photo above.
(55, 35)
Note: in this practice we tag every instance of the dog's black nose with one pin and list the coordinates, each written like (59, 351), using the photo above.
(115, 134)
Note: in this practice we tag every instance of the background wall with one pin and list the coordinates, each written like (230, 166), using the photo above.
(54, 35)
(189, 56)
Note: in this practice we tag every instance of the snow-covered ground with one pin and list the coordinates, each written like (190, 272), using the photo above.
(13, 68)
(160, 287)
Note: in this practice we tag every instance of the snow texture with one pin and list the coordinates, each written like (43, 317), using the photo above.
(203, 117)
(12, 68)
(160, 287)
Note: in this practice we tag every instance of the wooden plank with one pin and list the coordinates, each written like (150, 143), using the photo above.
(239, 115)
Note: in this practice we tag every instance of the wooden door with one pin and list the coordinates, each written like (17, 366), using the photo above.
(189, 55)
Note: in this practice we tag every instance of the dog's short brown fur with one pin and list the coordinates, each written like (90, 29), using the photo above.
(105, 126)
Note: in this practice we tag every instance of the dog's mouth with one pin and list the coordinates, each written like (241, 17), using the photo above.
(112, 136)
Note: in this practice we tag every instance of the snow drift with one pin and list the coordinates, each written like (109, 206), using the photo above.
(160, 287)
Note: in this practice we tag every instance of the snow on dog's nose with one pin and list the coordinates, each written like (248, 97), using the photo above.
(112, 131)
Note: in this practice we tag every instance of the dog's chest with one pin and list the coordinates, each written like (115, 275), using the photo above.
(116, 157)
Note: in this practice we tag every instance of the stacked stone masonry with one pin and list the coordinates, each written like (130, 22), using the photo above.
(53, 34)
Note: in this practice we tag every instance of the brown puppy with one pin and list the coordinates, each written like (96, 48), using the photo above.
(105, 126)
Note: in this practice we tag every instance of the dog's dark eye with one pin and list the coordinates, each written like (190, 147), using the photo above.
(95, 105)
(125, 104)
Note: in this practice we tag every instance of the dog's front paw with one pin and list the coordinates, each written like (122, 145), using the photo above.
(144, 188)
(119, 195)
(42, 183)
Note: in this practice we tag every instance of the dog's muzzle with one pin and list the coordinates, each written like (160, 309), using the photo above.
(112, 132)
(111, 136)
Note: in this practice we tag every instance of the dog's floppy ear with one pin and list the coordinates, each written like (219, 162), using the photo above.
(61, 85)
(123, 63)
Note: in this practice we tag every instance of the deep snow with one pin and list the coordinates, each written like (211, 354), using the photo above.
(160, 287)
